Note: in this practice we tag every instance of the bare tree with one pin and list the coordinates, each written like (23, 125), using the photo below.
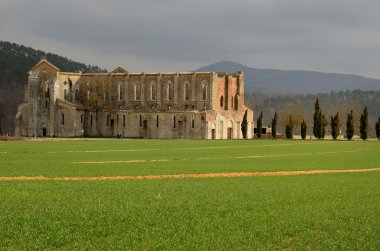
(94, 96)
(295, 113)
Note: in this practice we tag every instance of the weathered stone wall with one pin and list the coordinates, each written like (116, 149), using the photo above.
(145, 105)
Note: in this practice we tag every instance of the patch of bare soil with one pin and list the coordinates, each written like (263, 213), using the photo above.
(183, 176)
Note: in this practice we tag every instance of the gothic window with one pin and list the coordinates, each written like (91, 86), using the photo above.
(192, 121)
(169, 90)
(46, 89)
(236, 102)
(157, 121)
(136, 91)
(204, 90)
(123, 120)
(120, 90)
(152, 90)
(186, 90)
(140, 120)
(174, 121)
(221, 101)
(91, 120)
(232, 102)
(63, 119)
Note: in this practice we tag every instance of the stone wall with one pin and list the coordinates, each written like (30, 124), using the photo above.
(184, 105)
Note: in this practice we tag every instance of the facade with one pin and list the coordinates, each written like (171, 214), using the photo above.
(184, 105)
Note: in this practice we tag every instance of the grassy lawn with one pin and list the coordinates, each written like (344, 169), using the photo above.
(112, 158)
(321, 211)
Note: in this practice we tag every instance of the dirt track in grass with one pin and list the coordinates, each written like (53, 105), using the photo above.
(183, 176)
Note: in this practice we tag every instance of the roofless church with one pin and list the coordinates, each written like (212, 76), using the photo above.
(164, 105)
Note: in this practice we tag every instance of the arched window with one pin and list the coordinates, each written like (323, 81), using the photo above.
(157, 121)
(204, 90)
(221, 101)
(152, 90)
(232, 102)
(120, 91)
(174, 121)
(140, 121)
(192, 121)
(169, 91)
(186, 90)
(46, 89)
(136, 91)
(236, 102)
(124, 120)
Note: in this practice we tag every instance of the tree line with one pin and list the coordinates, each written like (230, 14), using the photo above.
(301, 107)
(320, 124)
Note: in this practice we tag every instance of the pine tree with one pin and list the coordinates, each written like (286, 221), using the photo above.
(274, 126)
(377, 128)
(364, 124)
(244, 125)
(350, 125)
(289, 128)
(303, 129)
(335, 126)
(259, 125)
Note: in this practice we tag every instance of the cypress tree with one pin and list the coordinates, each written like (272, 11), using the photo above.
(289, 128)
(274, 126)
(317, 121)
(335, 126)
(244, 125)
(350, 125)
(364, 124)
(303, 129)
(259, 125)
(377, 128)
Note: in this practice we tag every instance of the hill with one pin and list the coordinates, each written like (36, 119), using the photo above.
(294, 82)
(15, 61)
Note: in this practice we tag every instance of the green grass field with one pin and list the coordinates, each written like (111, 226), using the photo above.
(318, 211)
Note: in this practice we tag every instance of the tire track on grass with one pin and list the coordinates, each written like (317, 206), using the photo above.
(221, 158)
(184, 176)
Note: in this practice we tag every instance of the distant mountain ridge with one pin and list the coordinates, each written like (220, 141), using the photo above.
(294, 81)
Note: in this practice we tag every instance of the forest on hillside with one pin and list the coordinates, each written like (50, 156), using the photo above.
(301, 106)
(15, 61)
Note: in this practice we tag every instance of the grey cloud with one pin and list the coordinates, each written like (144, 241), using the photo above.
(289, 34)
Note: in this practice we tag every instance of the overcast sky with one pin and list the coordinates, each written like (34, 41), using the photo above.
(178, 35)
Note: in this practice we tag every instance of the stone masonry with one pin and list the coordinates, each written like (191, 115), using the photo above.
(182, 105)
